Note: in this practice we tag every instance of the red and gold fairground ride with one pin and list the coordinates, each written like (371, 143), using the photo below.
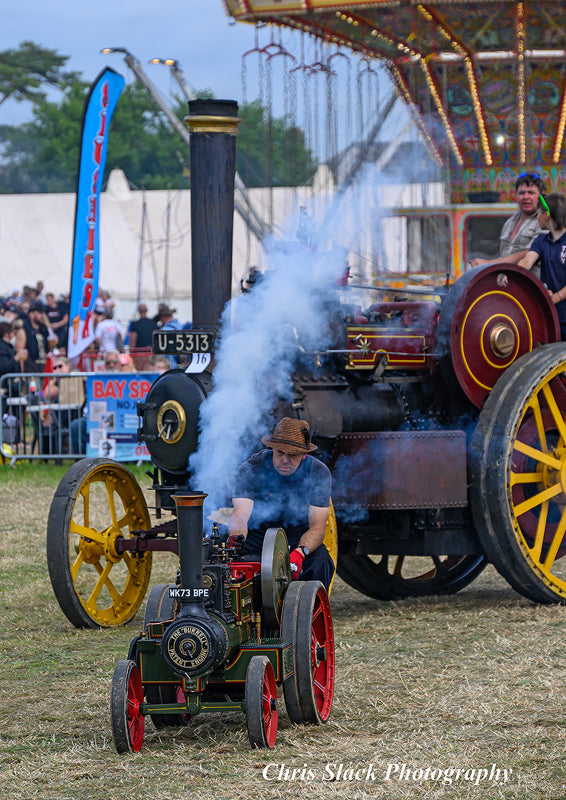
(486, 86)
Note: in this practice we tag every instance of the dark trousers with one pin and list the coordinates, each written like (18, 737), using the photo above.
(318, 566)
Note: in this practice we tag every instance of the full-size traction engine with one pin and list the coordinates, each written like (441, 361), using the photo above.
(442, 420)
(223, 638)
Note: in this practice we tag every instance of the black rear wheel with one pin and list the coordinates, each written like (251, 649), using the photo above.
(289, 620)
(394, 577)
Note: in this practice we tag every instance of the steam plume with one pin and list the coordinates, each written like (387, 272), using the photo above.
(284, 314)
(262, 334)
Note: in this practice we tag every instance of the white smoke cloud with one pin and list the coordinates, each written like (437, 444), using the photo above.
(286, 313)
(254, 362)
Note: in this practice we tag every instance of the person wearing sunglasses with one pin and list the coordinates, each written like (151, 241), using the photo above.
(51, 390)
(520, 230)
(550, 250)
(112, 361)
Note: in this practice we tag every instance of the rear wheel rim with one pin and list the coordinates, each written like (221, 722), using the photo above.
(315, 658)
(97, 503)
(518, 469)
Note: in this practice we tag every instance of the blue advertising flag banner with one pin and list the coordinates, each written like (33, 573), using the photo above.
(99, 107)
(112, 421)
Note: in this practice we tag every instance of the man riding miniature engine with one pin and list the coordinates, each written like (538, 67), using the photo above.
(284, 486)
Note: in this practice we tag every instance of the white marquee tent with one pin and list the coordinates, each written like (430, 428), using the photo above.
(145, 247)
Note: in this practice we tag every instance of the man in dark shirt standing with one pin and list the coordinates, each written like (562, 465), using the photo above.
(33, 336)
(141, 329)
(58, 318)
(285, 487)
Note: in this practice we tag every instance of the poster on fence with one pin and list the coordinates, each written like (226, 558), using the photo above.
(112, 421)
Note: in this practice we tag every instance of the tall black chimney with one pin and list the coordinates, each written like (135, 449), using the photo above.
(189, 531)
(213, 125)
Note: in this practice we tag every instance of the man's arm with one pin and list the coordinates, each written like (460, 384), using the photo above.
(238, 524)
(20, 343)
(61, 323)
(314, 536)
(512, 258)
(98, 334)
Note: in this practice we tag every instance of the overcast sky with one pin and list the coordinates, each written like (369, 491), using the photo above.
(197, 33)
(209, 48)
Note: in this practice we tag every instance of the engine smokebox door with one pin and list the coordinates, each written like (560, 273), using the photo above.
(170, 418)
(400, 470)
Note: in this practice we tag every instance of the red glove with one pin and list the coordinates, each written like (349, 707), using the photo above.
(296, 558)
(237, 542)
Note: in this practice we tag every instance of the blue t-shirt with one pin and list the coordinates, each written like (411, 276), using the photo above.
(172, 325)
(552, 257)
(281, 501)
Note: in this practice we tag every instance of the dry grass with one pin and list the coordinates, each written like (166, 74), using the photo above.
(465, 681)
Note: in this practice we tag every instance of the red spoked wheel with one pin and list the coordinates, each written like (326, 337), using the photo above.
(314, 654)
(289, 619)
(492, 316)
(128, 723)
(261, 702)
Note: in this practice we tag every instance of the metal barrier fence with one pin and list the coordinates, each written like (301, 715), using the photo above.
(94, 362)
(41, 415)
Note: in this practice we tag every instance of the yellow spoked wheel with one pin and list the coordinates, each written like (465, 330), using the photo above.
(518, 471)
(331, 540)
(97, 502)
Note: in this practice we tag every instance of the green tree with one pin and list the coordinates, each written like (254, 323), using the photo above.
(43, 155)
(25, 70)
(143, 143)
(271, 151)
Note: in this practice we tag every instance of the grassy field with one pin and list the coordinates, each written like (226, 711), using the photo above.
(470, 682)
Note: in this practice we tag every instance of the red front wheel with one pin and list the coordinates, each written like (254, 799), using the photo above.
(128, 723)
(261, 702)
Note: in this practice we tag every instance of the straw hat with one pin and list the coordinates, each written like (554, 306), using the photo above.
(291, 436)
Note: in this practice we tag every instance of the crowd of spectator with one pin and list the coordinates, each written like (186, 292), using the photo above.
(36, 325)
(34, 328)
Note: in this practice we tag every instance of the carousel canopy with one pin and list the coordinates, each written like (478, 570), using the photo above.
(486, 80)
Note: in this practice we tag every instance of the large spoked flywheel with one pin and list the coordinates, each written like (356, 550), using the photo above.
(491, 317)
(518, 475)
(97, 502)
(275, 575)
